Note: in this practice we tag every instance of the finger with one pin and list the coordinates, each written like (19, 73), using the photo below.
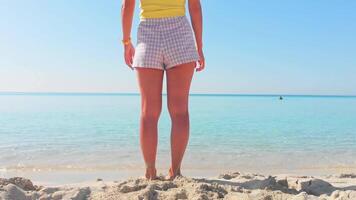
(132, 54)
(130, 60)
(133, 51)
(130, 66)
(201, 66)
(200, 69)
(127, 60)
(128, 63)
(198, 66)
(132, 57)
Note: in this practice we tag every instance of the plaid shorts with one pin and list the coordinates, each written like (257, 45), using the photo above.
(163, 43)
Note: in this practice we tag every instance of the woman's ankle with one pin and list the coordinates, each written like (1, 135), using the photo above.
(174, 173)
(151, 172)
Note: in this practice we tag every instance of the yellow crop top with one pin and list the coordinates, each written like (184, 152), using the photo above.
(162, 8)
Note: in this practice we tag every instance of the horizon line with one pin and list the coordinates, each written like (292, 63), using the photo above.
(191, 94)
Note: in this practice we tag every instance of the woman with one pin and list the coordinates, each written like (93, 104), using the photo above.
(165, 42)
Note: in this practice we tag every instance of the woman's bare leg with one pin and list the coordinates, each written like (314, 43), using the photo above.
(150, 83)
(178, 85)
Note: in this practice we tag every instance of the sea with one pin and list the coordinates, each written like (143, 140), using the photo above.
(57, 138)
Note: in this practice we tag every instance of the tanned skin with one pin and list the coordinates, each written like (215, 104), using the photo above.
(178, 84)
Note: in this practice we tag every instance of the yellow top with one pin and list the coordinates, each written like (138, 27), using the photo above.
(162, 8)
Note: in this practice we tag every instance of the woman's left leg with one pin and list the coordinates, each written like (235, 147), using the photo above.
(178, 85)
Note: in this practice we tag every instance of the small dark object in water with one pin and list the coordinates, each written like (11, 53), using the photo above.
(280, 98)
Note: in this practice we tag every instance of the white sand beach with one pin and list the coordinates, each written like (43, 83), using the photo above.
(230, 186)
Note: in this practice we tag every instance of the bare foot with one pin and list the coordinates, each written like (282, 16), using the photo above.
(151, 173)
(172, 175)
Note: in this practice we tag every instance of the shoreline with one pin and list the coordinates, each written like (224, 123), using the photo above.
(229, 186)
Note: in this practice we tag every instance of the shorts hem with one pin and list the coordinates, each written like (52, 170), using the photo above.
(160, 68)
(181, 63)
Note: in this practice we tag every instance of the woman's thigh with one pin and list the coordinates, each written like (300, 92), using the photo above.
(178, 84)
(150, 84)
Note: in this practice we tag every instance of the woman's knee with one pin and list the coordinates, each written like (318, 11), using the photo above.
(150, 114)
(178, 110)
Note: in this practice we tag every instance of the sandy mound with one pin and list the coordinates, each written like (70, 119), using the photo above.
(22, 189)
(230, 186)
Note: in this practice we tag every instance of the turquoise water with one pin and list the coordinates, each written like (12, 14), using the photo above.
(46, 132)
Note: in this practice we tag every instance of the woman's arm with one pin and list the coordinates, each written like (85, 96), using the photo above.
(127, 12)
(197, 23)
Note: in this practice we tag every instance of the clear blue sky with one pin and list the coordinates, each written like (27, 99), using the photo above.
(276, 46)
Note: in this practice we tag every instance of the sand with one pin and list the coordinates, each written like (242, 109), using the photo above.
(230, 186)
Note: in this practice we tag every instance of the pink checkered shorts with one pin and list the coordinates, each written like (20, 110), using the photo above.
(163, 43)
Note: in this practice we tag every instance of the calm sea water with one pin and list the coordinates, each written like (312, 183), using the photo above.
(246, 133)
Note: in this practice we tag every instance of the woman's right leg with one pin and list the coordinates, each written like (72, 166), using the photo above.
(150, 83)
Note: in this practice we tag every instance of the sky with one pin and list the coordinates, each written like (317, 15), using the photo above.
(251, 47)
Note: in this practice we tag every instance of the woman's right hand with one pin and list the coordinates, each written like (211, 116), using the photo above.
(129, 52)
(201, 61)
